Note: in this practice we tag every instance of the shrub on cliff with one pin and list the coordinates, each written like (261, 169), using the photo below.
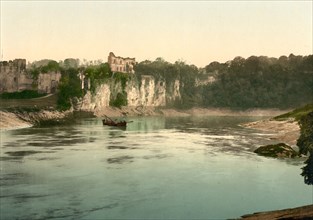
(120, 100)
(97, 74)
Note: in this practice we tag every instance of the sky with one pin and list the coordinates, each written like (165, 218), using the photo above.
(196, 32)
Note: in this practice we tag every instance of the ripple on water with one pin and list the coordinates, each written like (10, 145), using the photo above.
(120, 160)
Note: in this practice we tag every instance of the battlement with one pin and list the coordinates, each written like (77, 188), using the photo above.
(121, 64)
(17, 65)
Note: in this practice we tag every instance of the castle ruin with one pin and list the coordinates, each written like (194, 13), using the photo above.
(120, 64)
(13, 76)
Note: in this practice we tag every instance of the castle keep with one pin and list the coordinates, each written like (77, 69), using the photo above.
(120, 64)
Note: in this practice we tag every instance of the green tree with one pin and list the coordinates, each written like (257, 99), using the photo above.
(305, 141)
(69, 87)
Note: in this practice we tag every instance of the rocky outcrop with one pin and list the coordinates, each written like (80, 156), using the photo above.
(44, 117)
(146, 93)
(280, 150)
(10, 120)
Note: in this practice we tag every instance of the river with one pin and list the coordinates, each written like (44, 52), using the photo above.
(156, 168)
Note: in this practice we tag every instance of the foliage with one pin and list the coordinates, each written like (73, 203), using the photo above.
(305, 141)
(305, 144)
(121, 77)
(120, 100)
(297, 113)
(26, 94)
(50, 66)
(69, 87)
(168, 72)
(260, 82)
(121, 97)
(97, 75)
(307, 170)
(70, 63)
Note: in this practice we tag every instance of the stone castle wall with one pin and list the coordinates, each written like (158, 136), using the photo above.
(14, 78)
(48, 82)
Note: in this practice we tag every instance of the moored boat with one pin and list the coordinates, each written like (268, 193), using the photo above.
(108, 121)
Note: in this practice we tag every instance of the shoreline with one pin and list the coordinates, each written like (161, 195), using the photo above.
(287, 131)
(302, 212)
(21, 119)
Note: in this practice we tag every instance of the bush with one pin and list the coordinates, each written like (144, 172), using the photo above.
(26, 94)
(120, 100)
(305, 141)
(69, 87)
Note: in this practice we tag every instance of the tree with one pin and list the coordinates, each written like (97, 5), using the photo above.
(69, 87)
(307, 170)
(305, 141)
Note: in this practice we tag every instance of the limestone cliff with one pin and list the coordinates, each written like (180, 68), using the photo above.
(147, 92)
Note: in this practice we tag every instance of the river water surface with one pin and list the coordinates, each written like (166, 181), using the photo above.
(156, 168)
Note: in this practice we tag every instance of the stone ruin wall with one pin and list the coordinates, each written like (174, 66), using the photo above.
(14, 78)
(48, 82)
(120, 64)
(149, 92)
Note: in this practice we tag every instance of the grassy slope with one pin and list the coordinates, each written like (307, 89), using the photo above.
(42, 102)
(297, 113)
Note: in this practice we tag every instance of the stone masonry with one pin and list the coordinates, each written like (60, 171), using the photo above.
(120, 64)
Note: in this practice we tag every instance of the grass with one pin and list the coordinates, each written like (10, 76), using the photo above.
(26, 94)
(47, 102)
(297, 113)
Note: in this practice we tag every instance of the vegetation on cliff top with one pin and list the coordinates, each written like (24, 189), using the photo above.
(260, 82)
(297, 114)
(69, 87)
(255, 82)
(168, 72)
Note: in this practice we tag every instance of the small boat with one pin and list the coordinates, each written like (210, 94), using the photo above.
(108, 121)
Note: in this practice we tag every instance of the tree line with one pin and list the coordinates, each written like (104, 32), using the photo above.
(255, 82)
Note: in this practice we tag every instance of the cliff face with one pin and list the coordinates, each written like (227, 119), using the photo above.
(144, 92)
(148, 92)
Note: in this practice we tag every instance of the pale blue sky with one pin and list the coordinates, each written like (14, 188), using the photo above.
(197, 32)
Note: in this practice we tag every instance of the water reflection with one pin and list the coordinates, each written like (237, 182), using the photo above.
(146, 124)
(91, 171)
(120, 160)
